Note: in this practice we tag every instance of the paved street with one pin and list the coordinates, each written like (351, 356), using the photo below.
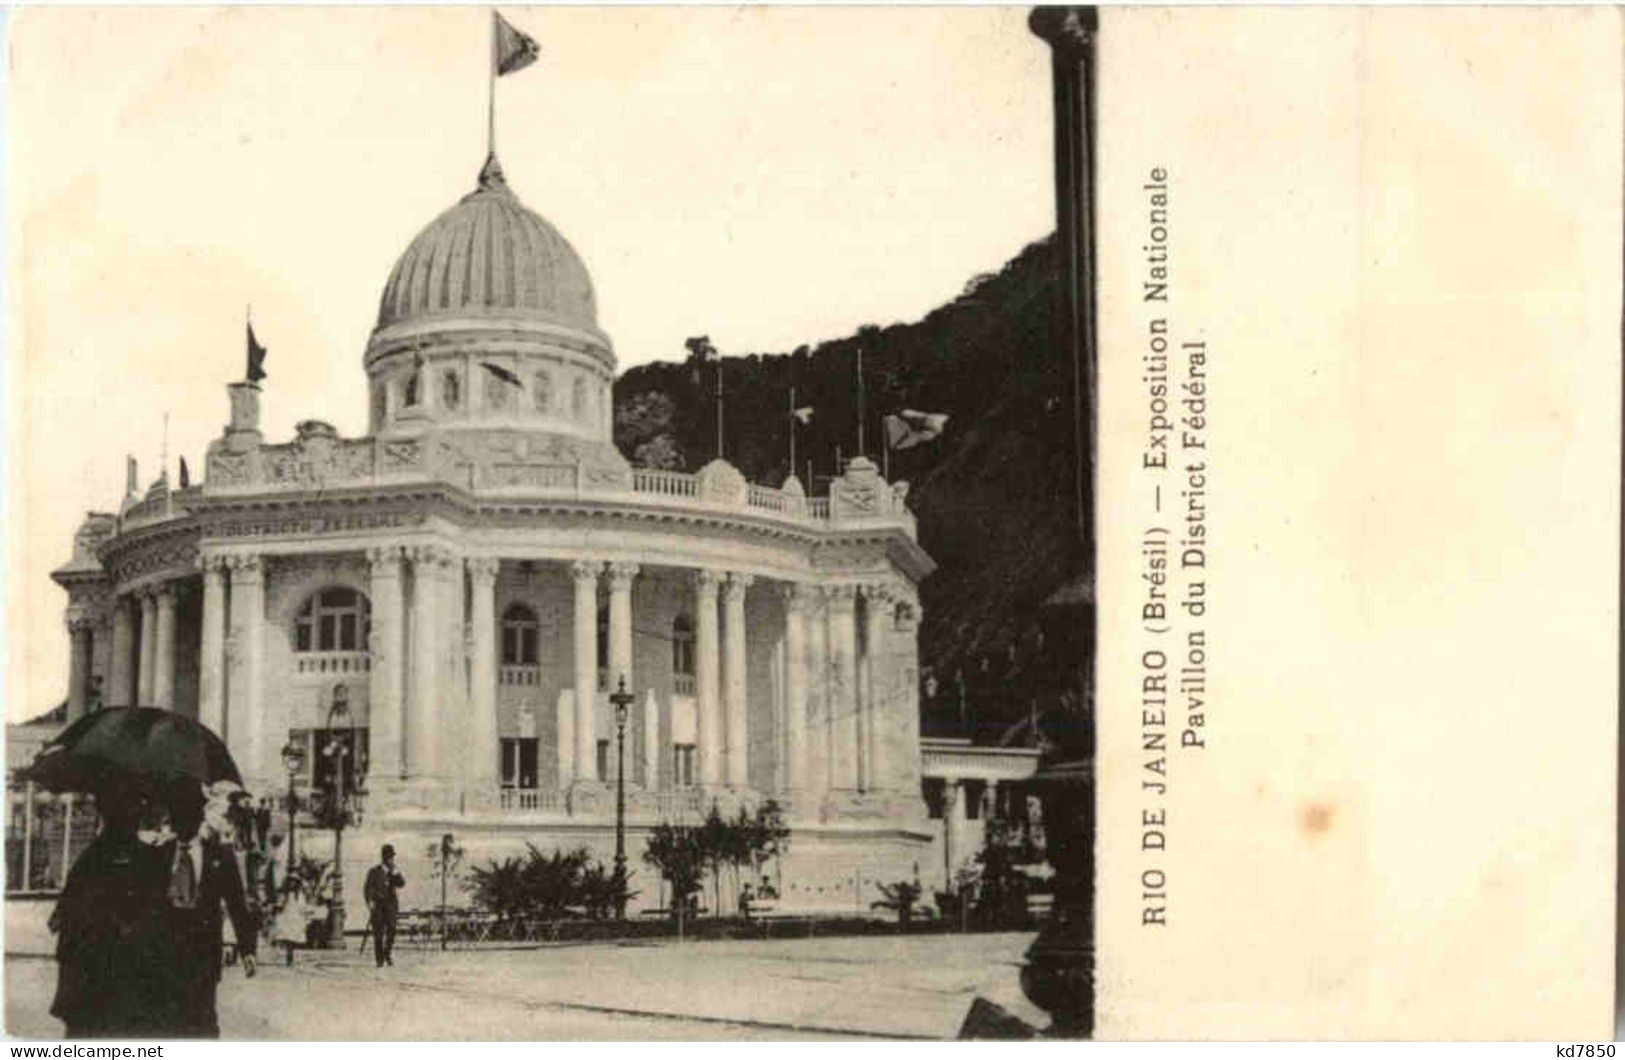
(917, 987)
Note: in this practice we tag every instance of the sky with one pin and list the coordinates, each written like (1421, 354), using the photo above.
(766, 176)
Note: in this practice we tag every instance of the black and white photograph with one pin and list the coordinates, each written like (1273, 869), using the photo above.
(841, 523)
(508, 504)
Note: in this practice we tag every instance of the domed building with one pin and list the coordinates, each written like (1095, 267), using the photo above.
(438, 612)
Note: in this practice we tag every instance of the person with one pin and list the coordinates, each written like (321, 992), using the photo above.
(745, 898)
(292, 920)
(202, 877)
(262, 822)
(383, 905)
(767, 890)
(109, 927)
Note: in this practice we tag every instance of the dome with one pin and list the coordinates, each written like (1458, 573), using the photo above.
(490, 255)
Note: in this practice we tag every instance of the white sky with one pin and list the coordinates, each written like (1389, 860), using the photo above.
(765, 176)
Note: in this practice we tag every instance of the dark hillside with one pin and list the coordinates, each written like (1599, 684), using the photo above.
(989, 494)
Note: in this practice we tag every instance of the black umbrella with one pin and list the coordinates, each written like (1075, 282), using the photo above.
(131, 745)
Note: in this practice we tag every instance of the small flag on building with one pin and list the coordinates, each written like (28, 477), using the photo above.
(256, 357)
(501, 373)
(511, 50)
(186, 476)
(803, 415)
(909, 428)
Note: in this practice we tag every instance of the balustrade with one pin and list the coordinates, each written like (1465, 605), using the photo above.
(332, 662)
(521, 676)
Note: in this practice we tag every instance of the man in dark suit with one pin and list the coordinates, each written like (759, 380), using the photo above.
(203, 877)
(383, 905)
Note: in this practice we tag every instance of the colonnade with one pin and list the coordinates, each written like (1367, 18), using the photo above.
(434, 655)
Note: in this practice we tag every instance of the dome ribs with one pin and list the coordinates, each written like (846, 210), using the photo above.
(489, 253)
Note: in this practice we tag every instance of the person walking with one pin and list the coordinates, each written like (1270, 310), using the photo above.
(292, 921)
(203, 878)
(109, 928)
(383, 905)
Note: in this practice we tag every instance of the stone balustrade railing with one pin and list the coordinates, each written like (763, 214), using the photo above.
(322, 462)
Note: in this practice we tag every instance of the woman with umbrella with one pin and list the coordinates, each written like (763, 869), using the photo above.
(138, 925)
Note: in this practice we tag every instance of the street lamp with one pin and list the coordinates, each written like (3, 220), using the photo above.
(337, 749)
(293, 760)
(622, 699)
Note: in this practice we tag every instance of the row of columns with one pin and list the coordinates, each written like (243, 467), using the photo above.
(829, 735)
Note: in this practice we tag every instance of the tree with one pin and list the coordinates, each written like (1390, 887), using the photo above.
(500, 889)
(716, 843)
(554, 881)
(677, 853)
(900, 898)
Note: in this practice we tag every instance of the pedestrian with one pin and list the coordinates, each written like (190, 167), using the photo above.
(262, 822)
(109, 928)
(292, 921)
(383, 905)
(202, 878)
(745, 898)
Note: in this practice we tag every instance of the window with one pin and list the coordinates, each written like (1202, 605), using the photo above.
(934, 791)
(333, 620)
(682, 654)
(603, 760)
(975, 793)
(578, 399)
(603, 648)
(409, 392)
(380, 404)
(519, 762)
(542, 392)
(519, 632)
(498, 391)
(451, 389)
(683, 765)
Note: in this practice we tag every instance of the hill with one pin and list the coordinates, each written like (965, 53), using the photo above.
(990, 493)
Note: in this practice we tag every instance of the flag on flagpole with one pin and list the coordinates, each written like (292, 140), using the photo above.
(908, 428)
(256, 357)
(186, 475)
(511, 50)
(803, 415)
(501, 373)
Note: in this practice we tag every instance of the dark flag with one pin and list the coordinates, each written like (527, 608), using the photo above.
(501, 373)
(256, 357)
(186, 476)
(510, 49)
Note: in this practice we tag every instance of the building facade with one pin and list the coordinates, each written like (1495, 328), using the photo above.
(440, 609)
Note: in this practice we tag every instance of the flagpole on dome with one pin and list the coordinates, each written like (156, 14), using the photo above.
(491, 90)
(792, 430)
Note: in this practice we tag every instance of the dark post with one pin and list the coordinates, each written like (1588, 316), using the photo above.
(622, 699)
(1059, 972)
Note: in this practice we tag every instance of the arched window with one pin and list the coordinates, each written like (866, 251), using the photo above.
(498, 391)
(336, 619)
(519, 632)
(451, 389)
(603, 646)
(409, 393)
(578, 399)
(542, 392)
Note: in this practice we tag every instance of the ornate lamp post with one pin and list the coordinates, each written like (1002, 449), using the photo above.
(293, 760)
(337, 750)
(622, 699)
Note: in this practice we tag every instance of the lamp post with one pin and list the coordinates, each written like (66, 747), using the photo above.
(622, 699)
(293, 760)
(337, 750)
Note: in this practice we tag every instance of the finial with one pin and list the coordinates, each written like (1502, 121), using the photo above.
(491, 178)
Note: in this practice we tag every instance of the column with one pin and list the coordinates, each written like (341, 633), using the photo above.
(122, 667)
(386, 645)
(422, 730)
(876, 714)
(484, 743)
(149, 634)
(843, 698)
(586, 668)
(951, 800)
(905, 766)
(243, 713)
(795, 688)
(620, 624)
(79, 626)
(818, 735)
(163, 670)
(733, 665)
(709, 720)
(211, 684)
